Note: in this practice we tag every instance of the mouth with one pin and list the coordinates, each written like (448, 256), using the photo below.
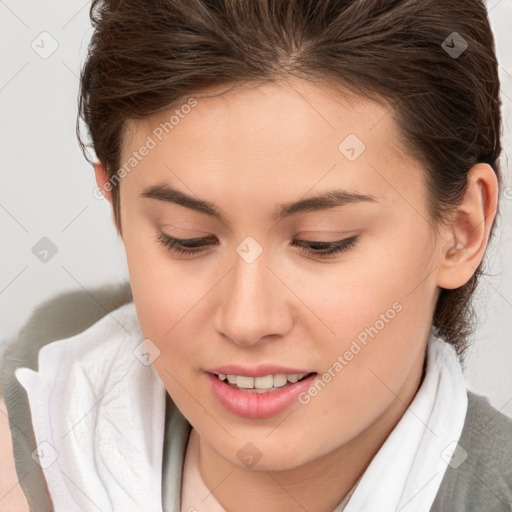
(265, 384)
(259, 397)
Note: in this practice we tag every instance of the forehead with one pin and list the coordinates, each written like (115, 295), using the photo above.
(279, 113)
(291, 135)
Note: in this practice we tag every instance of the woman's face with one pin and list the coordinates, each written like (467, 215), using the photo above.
(252, 296)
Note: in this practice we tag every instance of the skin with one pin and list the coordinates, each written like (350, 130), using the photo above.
(246, 151)
(11, 494)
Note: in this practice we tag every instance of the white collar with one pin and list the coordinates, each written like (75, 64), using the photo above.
(408, 469)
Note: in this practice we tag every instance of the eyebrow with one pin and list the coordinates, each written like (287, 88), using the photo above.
(326, 200)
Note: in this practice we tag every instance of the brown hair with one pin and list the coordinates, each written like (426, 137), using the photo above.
(146, 56)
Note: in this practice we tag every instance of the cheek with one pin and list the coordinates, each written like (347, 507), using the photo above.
(160, 288)
(351, 295)
(170, 302)
(378, 317)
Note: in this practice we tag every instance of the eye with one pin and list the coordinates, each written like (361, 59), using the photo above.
(185, 247)
(191, 246)
(329, 248)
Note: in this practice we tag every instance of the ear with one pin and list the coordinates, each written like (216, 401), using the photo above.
(103, 182)
(465, 239)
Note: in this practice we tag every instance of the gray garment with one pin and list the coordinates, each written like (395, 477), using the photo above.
(483, 482)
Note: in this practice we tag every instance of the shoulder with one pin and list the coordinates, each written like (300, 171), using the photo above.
(479, 476)
(63, 316)
(486, 421)
(70, 313)
(488, 434)
(489, 440)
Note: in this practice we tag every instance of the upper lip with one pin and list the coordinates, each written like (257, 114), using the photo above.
(257, 371)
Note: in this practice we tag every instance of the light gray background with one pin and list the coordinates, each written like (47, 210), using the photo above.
(46, 185)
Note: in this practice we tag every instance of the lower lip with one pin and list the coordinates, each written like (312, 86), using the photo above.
(257, 405)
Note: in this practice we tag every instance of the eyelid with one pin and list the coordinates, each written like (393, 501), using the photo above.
(192, 246)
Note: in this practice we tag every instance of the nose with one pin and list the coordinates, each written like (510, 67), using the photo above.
(254, 303)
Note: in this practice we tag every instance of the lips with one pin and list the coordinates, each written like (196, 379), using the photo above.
(253, 405)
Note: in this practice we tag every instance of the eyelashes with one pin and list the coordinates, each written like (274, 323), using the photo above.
(326, 249)
(322, 249)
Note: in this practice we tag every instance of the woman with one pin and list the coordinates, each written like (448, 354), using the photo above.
(305, 191)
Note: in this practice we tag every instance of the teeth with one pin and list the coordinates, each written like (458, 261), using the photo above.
(267, 382)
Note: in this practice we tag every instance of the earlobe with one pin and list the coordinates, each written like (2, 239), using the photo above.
(102, 181)
(464, 241)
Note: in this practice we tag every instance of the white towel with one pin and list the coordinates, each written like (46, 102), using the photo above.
(101, 411)
(98, 411)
